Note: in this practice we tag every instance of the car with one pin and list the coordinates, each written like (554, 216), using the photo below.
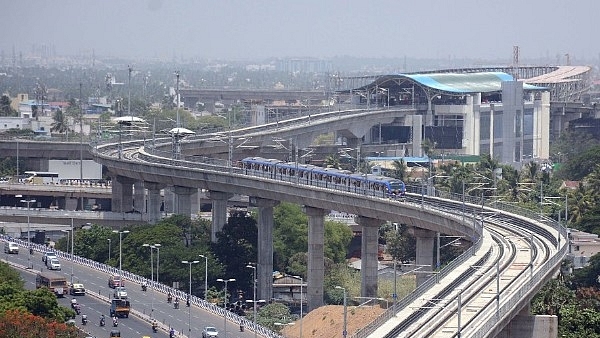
(53, 264)
(11, 248)
(120, 292)
(77, 289)
(48, 254)
(210, 331)
(115, 281)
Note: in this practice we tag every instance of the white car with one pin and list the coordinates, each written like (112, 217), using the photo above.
(53, 264)
(47, 256)
(120, 292)
(210, 331)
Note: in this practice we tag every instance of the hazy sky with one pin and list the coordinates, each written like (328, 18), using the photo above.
(251, 29)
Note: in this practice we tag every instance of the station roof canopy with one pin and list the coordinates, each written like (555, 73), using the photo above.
(454, 83)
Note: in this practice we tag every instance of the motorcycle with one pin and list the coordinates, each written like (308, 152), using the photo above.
(144, 287)
(77, 308)
(115, 322)
(102, 322)
(169, 298)
(241, 328)
(154, 327)
(84, 320)
(176, 304)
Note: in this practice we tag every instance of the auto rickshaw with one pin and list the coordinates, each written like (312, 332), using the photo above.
(115, 333)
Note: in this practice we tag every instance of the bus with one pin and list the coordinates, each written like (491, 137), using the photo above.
(41, 177)
(53, 281)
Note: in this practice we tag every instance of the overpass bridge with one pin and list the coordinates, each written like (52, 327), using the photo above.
(512, 254)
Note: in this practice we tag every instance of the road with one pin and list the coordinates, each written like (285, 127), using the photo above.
(96, 283)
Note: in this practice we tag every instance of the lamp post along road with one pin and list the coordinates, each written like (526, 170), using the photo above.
(120, 257)
(345, 332)
(205, 276)
(253, 295)
(301, 301)
(225, 304)
(190, 297)
(28, 201)
(108, 239)
(72, 250)
(152, 247)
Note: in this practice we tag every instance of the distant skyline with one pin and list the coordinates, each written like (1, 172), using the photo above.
(251, 30)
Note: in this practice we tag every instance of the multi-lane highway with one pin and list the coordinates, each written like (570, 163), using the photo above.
(148, 304)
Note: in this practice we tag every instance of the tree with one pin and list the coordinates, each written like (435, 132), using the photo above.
(236, 247)
(20, 324)
(399, 170)
(290, 233)
(60, 124)
(5, 108)
(400, 244)
(337, 238)
(582, 164)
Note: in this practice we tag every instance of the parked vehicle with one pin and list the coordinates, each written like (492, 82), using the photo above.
(11, 248)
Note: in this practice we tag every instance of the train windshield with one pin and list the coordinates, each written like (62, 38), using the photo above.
(396, 185)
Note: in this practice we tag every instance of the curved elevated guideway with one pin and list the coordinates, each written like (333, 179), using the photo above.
(512, 256)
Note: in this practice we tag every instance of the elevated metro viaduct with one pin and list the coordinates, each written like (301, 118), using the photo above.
(134, 168)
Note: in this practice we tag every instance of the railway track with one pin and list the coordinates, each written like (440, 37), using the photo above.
(491, 288)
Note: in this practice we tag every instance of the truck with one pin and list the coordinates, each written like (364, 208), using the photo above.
(52, 281)
(120, 308)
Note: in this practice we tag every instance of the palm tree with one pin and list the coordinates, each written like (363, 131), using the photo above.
(399, 171)
(60, 123)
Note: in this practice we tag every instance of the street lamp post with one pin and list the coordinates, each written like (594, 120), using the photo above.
(72, 250)
(152, 247)
(345, 332)
(254, 295)
(205, 276)
(120, 257)
(190, 297)
(70, 237)
(28, 201)
(301, 301)
(108, 239)
(225, 304)
(157, 261)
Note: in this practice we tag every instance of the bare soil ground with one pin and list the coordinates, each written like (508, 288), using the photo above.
(328, 321)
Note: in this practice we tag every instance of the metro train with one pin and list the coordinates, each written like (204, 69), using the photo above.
(344, 180)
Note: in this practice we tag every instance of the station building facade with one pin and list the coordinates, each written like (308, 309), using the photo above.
(463, 113)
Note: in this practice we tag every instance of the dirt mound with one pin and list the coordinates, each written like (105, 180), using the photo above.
(328, 321)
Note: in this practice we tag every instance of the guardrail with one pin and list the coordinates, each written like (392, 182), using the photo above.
(194, 300)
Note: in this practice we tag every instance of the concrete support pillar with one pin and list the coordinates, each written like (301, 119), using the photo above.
(122, 194)
(369, 255)
(425, 260)
(182, 197)
(528, 326)
(153, 209)
(139, 196)
(219, 211)
(264, 264)
(316, 257)
(169, 200)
